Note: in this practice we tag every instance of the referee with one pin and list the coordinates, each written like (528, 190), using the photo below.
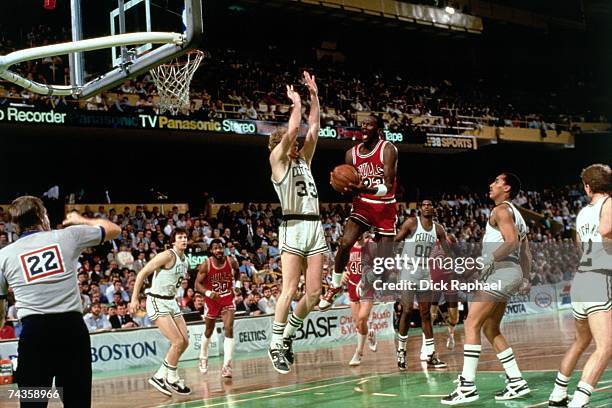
(41, 268)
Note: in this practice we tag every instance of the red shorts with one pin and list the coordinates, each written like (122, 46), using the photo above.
(354, 296)
(381, 216)
(215, 307)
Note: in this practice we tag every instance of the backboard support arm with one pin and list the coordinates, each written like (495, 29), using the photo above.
(175, 44)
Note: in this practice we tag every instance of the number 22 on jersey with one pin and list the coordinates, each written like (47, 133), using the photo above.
(42, 263)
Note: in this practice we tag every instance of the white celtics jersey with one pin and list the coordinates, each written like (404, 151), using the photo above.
(421, 243)
(493, 238)
(167, 281)
(594, 257)
(297, 191)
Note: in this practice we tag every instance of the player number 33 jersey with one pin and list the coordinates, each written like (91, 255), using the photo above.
(297, 190)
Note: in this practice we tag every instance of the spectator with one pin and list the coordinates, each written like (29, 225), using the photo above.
(182, 291)
(141, 318)
(116, 288)
(266, 304)
(239, 302)
(122, 320)
(186, 302)
(250, 304)
(125, 258)
(7, 332)
(198, 304)
(247, 268)
(95, 320)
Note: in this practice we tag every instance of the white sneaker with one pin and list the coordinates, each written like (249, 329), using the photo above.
(372, 343)
(515, 388)
(423, 357)
(356, 360)
(203, 365)
(465, 392)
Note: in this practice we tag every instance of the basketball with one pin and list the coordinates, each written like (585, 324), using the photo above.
(342, 176)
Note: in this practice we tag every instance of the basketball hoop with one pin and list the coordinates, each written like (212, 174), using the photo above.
(173, 79)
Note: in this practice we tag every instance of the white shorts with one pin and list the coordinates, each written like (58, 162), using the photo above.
(157, 307)
(591, 293)
(510, 277)
(302, 237)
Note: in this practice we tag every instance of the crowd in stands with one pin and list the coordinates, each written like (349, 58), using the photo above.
(107, 273)
(240, 84)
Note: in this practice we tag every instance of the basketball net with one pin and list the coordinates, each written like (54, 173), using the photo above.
(173, 79)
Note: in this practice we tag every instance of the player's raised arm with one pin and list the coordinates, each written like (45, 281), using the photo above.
(111, 230)
(293, 126)
(314, 118)
(158, 262)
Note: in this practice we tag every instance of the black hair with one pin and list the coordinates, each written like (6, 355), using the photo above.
(514, 182)
(216, 241)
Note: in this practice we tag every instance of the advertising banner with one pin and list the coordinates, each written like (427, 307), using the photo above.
(337, 325)
(119, 350)
(182, 123)
(541, 299)
(253, 333)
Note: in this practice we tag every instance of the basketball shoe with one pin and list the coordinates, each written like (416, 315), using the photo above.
(178, 387)
(279, 362)
(401, 360)
(465, 392)
(515, 388)
(327, 300)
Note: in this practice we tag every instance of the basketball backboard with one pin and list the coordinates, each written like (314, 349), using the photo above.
(102, 42)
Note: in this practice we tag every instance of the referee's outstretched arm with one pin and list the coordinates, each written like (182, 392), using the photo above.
(111, 230)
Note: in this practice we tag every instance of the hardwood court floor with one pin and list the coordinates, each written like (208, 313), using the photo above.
(322, 378)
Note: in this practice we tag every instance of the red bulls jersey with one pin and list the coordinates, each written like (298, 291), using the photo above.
(220, 280)
(371, 168)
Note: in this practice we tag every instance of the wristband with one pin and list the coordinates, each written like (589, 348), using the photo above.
(381, 190)
(208, 293)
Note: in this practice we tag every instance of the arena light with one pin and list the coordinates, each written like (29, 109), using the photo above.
(449, 10)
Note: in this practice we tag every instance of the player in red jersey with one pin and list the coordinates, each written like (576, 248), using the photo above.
(439, 274)
(374, 202)
(215, 281)
(361, 303)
